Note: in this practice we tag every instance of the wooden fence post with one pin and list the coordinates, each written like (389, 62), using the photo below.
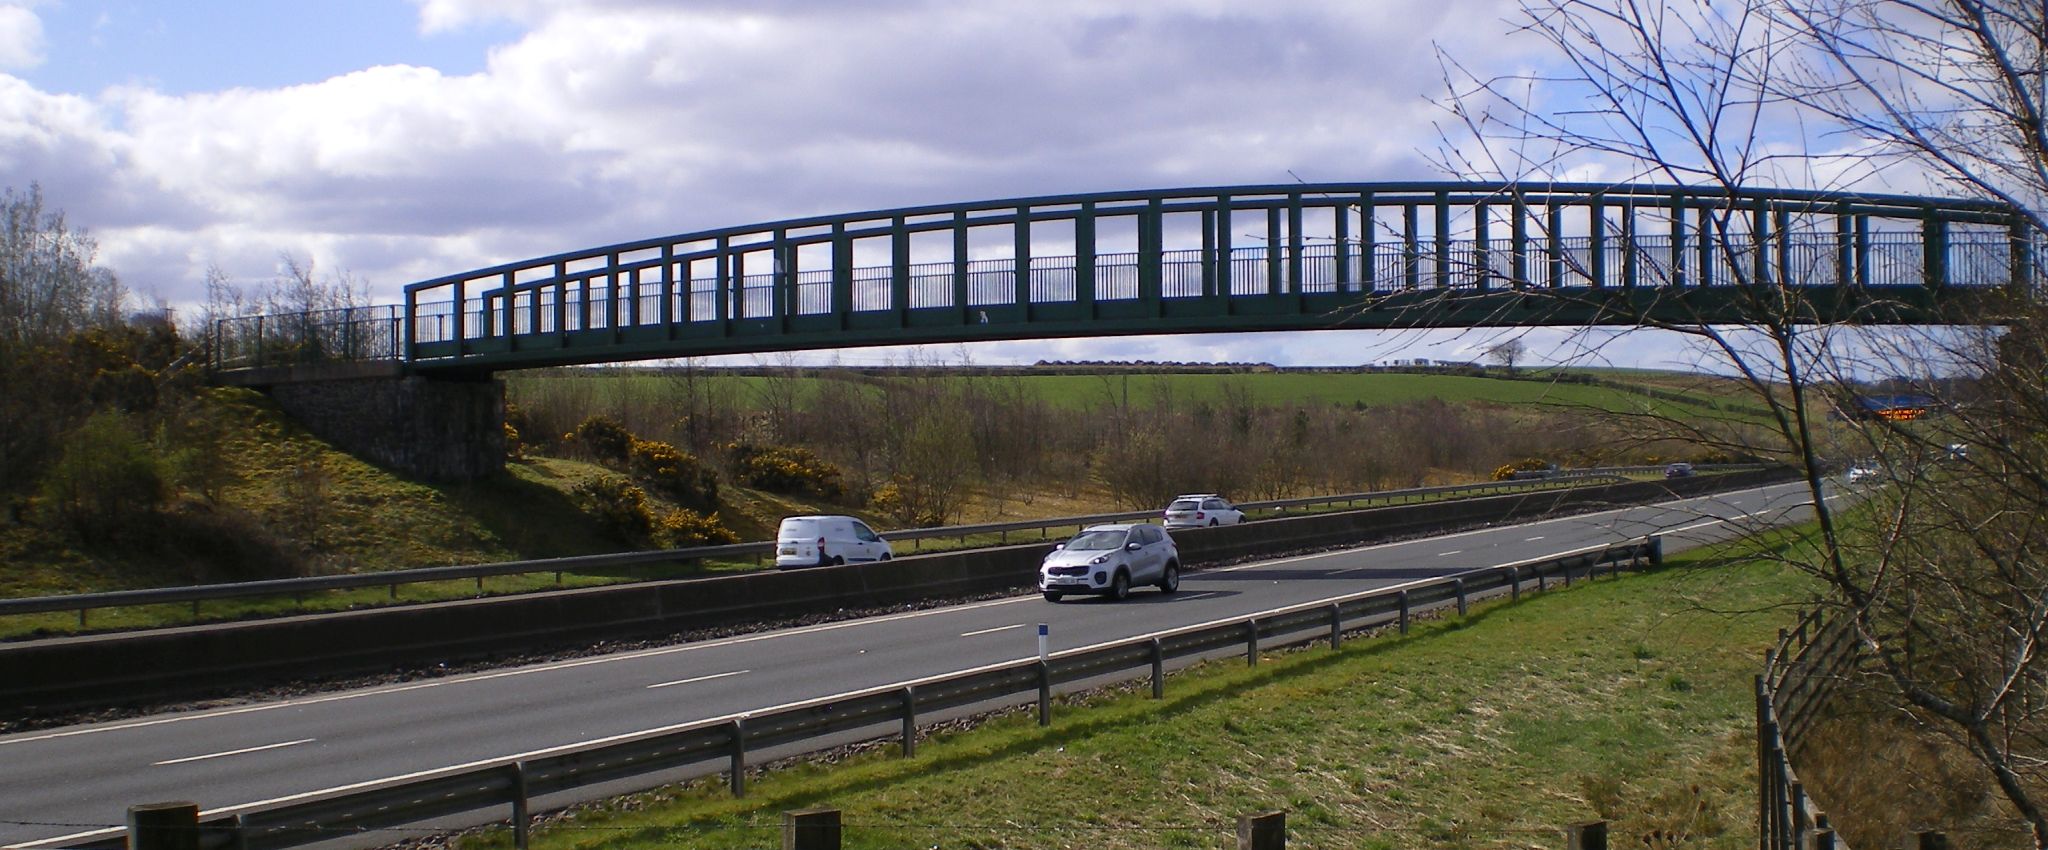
(1591, 835)
(1266, 831)
(1251, 642)
(163, 826)
(810, 829)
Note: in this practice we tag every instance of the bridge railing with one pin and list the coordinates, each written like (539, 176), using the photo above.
(1137, 257)
(883, 712)
(349, 334)
(84, 603)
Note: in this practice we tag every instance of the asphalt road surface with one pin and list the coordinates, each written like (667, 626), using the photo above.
(67, 783)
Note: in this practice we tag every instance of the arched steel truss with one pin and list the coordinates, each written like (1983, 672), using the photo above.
(1238, 258)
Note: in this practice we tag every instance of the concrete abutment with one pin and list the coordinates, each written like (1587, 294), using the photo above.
(439, 429)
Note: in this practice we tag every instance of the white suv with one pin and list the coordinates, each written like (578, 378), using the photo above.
(1199, 510)
(1107, 560)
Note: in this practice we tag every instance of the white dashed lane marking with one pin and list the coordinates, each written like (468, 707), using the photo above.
(699, 679)
(234, 752)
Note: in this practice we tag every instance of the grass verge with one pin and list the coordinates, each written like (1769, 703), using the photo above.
(1627, 700)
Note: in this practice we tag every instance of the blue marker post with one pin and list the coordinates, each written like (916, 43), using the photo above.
(1043, 631)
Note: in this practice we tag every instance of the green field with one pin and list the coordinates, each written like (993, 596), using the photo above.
(1266, 389)
(1626, 700)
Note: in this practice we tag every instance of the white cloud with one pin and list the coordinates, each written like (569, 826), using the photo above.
(21, 38)
(613, 120)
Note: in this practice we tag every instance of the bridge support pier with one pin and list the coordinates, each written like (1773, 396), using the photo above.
(438, 429)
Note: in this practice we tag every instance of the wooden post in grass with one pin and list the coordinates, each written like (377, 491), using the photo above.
(1591, 835)
(1266, 831)
(163, 826)
(810, 829)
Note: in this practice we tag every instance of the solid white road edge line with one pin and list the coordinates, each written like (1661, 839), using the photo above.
(992, 631)
(233, 752)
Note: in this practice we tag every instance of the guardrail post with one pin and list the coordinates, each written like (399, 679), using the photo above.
(1266, 831)
(522, 826)
(1459, 585)
(1567, 565)
(163, 826)
(1541, 583)
(1820, 839)
(1591, 835)
(739, 758)
(1336, 625)
(1656, 550)
(1158, 669)
(1514, 584)
(1251, 642)
(1044, 693)
(810, 829)
(909, 722)
(1404, 611)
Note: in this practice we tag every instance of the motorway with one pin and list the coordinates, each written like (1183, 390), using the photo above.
(63, 784)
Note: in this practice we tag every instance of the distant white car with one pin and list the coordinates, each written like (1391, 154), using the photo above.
(824, 541)
(1107, 560)
(1862, 472)
(1200, 510)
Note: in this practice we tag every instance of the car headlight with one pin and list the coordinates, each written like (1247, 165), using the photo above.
(1100, 559)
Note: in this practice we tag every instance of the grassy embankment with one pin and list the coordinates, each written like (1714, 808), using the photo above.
(1625, 700)
(350, 516)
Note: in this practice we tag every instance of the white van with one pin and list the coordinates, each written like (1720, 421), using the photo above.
(822, 541)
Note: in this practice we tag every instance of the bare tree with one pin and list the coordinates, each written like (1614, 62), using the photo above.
(1506, 353)
(1943, 577)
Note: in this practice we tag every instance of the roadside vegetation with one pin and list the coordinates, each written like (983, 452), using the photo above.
(1625, 700)
(124, 469)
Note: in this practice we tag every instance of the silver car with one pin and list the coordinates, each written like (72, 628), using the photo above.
(1106, 560)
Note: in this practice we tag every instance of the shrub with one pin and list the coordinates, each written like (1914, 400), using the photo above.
(683, 528)
(618, 506)
(674, 473)
(106, 480)
(516, 427)
(900, 500)
(603, 438)
(1507, 471)
(785, 469)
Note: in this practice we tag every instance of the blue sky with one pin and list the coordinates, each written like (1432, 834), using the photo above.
(388, 141)
(192, 46)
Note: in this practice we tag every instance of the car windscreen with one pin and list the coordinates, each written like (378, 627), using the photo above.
(1185, 505)
(1096, 541)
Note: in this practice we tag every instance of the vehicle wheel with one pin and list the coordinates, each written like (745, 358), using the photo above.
(1052, 596)
(1120, 587)
(1212, 523)
(838, 562)
(885, 556)
(1170, 581)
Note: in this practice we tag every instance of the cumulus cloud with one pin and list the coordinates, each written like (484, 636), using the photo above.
(603, 121)
(21, 38)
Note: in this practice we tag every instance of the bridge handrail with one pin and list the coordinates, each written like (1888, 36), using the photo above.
(1385, 192)
(82, 602)
(513, 783)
